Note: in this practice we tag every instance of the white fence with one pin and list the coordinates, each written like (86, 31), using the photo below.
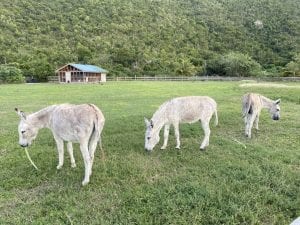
(54, 79)
(199, 78)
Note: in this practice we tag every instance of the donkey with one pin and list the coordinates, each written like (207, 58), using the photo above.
(188, 109)
(81, 124)
(252, 105)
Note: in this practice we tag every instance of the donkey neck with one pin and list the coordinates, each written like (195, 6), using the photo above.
(41, 118)
(159, 119)
(266, 102)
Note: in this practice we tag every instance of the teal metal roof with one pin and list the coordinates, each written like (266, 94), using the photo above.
(89, 68)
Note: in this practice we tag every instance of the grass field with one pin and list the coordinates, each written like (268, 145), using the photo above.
(227, 184)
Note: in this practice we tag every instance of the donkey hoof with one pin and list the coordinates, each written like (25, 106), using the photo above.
(177, 147)
(163, 148)
(85, 182)
(202, 148)
(59, 167)
(73, 165)
(248, 135)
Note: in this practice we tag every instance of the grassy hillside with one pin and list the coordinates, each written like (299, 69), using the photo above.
(228, 184)
(146, 37)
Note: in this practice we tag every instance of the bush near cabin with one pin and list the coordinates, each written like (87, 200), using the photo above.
(11, 74)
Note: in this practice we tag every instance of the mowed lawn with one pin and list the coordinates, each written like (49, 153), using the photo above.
(235, 181)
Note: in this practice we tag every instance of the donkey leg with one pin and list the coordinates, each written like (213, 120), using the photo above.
(256, 121)
(250, 124)
(246, 119)
(60, 149)
(100, 141)
(177, 135)
(102, 151)
(87, 162)
(92, 149)
(166, 136)
(70, 150)
(206, 129)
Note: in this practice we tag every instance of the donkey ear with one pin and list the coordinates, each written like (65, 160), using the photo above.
(21, 114)
(277, 101)
(147, 122)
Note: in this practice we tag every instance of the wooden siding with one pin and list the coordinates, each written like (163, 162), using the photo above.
(77, 75)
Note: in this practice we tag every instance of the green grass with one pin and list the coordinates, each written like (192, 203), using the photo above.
(227, 184)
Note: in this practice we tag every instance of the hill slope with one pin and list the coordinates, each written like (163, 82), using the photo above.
(144, 36)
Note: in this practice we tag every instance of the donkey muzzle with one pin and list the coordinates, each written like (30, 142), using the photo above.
(24, 145)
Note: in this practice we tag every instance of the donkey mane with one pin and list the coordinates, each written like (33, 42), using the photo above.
(41, 117)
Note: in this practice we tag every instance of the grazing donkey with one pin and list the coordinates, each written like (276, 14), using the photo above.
(180, 110)
(252, 105)
(82, 124)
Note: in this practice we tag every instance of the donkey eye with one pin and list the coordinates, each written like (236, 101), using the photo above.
(23, 131)
(277, 110)
(148, 138)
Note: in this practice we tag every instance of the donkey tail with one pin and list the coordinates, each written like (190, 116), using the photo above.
(246, 106)
(214, 107)
(216, 118)
(95, 138)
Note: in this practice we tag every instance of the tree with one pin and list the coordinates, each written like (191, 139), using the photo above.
(293, 67)
(139, 37)
(234, 64)
(84, 54)
(10, 74)
(184, 67)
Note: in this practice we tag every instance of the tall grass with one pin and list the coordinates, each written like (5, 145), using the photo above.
(236, 181)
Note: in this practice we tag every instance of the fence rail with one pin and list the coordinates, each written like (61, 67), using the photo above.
(200, 78)
(54, 79)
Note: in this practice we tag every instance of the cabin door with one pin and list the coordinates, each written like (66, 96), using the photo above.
(68, 77)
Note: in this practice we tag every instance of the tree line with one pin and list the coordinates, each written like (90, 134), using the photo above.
(151, 37)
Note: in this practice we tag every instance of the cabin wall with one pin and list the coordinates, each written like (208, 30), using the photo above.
(79, 76)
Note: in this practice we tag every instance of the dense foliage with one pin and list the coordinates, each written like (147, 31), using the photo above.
(293, 67)
(234, 64)
(148, 37)
(10, 74)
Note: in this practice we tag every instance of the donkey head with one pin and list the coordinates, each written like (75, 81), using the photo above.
(275, 110)
(151, 136)
(27, 132)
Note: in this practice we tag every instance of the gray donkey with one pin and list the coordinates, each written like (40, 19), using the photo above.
(81, 124)
(188, 109)
(252, 104)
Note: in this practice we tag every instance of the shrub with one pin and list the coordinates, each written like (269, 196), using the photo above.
(11, 74)
(184, 67)
(234, 64)
(293, 67)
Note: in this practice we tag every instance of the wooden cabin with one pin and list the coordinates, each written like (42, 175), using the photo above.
(74, 73)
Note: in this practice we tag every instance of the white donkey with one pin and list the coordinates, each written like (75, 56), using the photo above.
(252, 105)
(72, 123)
(180, 110)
